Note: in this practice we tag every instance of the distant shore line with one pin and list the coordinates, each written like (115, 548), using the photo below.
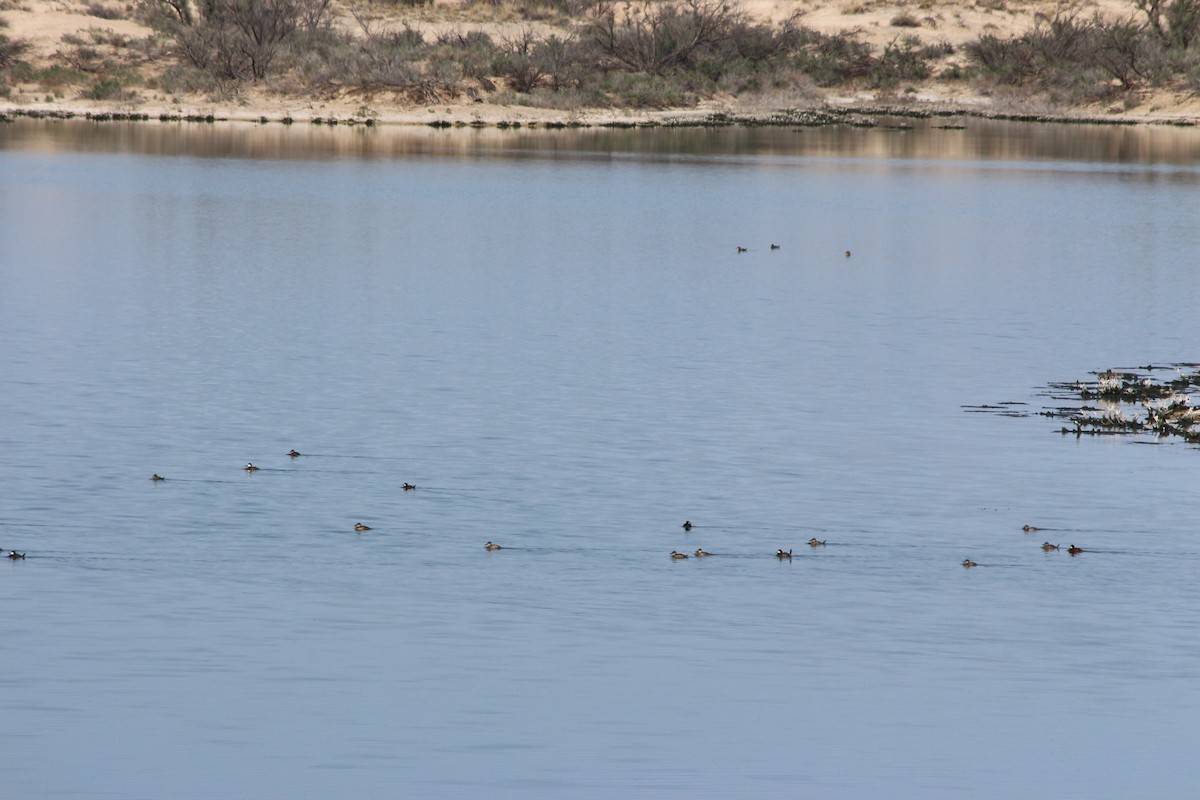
(866, 116)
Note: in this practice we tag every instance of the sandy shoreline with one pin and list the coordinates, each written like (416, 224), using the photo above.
(859, 115)
(44, 23)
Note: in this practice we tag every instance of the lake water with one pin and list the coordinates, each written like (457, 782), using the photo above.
(553, 336)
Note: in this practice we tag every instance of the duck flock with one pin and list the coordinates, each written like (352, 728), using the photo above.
(780, 553)
(786, 555)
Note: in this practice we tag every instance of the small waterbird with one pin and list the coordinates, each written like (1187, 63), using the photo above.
(677, 556)
(702, 553)
(492, 546)
(815, 542)
(294, 453)
(687, 525)
(251, 468)
(408, 487)
(782, 555)
(969, 563)
(1048, 547)
(358, 526)
(156, 477)
(14, 555)
(1073, 550)
(1029, 528)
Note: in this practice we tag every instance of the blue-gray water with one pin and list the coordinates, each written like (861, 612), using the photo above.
(554, 338)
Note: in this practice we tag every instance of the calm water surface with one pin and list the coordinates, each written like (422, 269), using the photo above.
(554, 338)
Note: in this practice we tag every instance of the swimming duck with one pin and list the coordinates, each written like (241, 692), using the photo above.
(1029, 528)
(14, 555)
(408, 487)
(782, 555)
(1073, 550)
(677, 556)
(358, 526)
(687, 525)
(1048, 547)
(702, 553)
(156, 477)
(741, 249)
(251, 468)
(969, 563)
(774, 246)
(847, 254)
(815, 542)
(293, 453)
(492, 546)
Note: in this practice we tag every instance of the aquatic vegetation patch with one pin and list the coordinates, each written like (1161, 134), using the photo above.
(1162, 401)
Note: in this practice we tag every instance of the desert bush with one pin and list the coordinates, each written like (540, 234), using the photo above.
(1075, 55)
(474, 51)
(1008, 60)
(1064, 38)
(11, 50)
(179, 79)
(954, 72)
(1175, 23)
(653, 37)
(535, 10)
(646, 90)
(901, 60)
(758, 42)
(399, 61)
(105, 89)
(57, 76)
(1121, 51)
(313, 14)
(528, 62)
(905, 20)
(1191, 77)
(234, 39)
(833, 59)
(589, 96)
(104, 12)
(564, 61)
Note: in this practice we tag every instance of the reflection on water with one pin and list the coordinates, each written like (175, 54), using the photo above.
(939, 138)
(566, 354)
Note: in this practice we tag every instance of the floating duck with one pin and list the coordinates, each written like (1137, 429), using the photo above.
(677, 556)
(774, 246)
(815, 542)
(492, 546)
(408, 487)
(781, 555)
(687, 525)
(1073, 550)
(156, 477)
(358, 526)
(14, 555)
(1048, 547)
(847, 254)
(251, 468)
(702, 553)
(969, 563)
(740, 250)
(294, 453)
(1029, 528)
